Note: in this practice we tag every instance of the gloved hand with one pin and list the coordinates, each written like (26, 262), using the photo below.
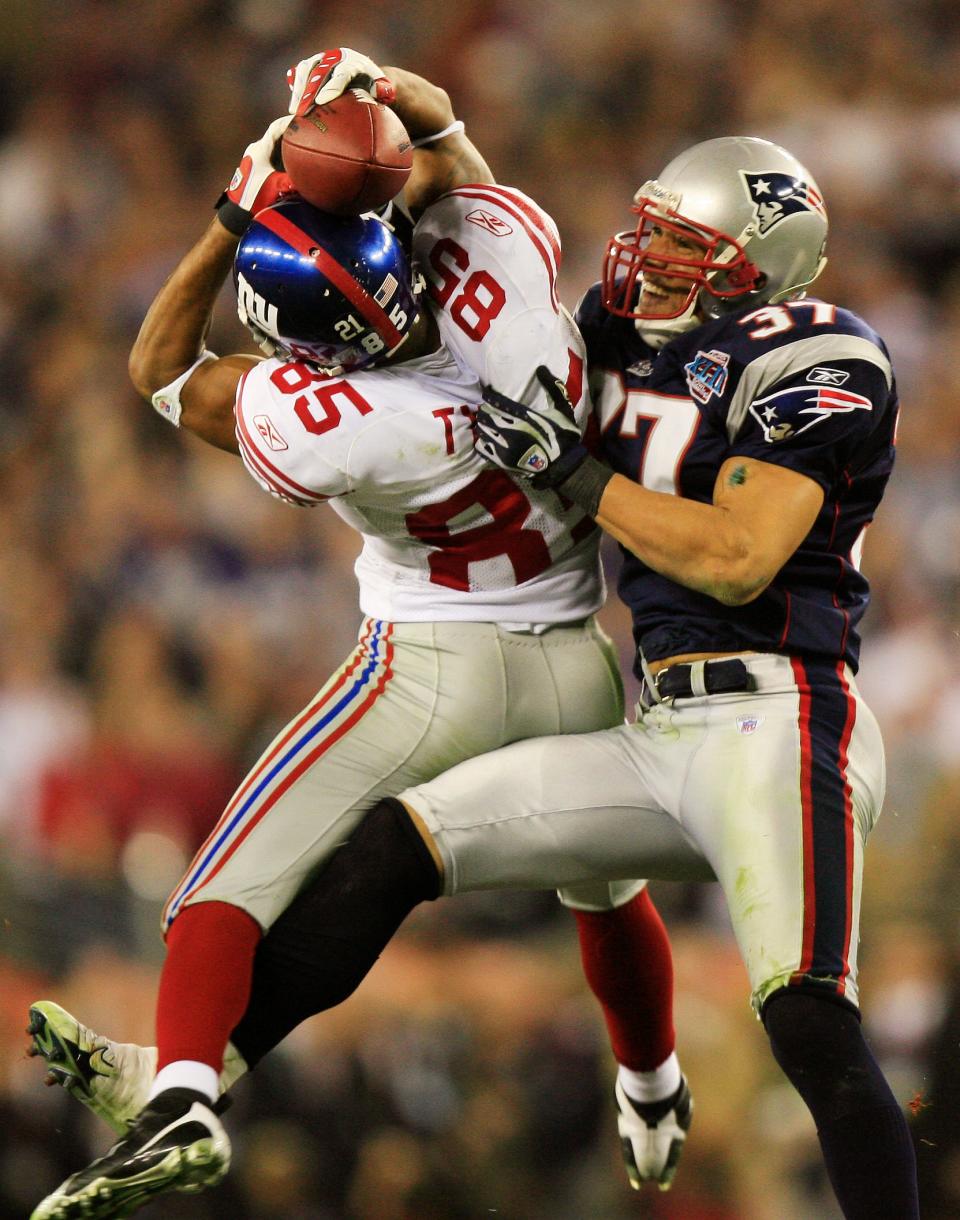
(320, 78)
(258, 181)
(543, 443)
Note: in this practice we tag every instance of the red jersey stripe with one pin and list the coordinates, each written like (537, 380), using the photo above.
(533, 225)
(263, 463)
(250, 460)
(806, 801)
(847, 819)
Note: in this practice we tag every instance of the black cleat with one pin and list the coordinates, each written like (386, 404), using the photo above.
(176, 1144)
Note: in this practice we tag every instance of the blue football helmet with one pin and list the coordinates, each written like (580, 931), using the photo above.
(336, 291)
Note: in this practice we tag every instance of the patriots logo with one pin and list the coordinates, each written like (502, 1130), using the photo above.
(776, 196)
(820, 403)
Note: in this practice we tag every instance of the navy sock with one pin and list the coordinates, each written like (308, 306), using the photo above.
(818, 1042)
(325, 943)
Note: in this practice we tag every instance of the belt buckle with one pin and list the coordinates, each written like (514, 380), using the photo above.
(660, 675)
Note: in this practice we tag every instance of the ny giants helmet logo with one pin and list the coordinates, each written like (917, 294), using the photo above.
(775, 196)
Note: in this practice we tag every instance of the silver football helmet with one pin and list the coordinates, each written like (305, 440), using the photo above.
(759, 224)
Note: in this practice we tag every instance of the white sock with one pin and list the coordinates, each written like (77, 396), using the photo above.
(657, 1085)
(187, 1074)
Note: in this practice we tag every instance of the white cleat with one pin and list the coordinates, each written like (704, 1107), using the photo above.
(652, 1135)
(111, 1078)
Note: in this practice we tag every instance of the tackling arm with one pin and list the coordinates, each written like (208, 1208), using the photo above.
(730, 549)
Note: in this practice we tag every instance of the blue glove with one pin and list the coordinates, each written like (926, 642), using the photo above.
(542, 443)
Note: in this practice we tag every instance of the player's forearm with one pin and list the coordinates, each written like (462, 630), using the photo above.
(697, 545)
(172, 334)
(441, 165)
(424, 109)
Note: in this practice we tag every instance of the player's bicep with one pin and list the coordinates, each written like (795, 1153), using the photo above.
(208, 397)
(771, 508)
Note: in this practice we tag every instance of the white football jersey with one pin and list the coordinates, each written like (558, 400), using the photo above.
(445, 535)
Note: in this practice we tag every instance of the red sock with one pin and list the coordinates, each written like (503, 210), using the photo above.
(627, 962)
(205, 984)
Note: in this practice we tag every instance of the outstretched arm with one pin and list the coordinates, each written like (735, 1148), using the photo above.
(730, 549)
(440, 165)
(171, 338)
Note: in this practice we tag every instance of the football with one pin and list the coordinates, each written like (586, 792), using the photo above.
(349, 156)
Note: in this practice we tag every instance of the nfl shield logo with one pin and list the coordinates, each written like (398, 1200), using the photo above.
(748, 724)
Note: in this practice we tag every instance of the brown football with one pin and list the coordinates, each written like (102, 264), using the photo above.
(349, 156)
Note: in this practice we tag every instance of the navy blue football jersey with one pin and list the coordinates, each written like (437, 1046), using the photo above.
(804, 385)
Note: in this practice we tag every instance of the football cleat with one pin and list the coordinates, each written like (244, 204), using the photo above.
(176, 1144)
(111, 1078)
(652, 1135)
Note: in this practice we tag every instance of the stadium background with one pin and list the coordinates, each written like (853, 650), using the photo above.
(160, 617)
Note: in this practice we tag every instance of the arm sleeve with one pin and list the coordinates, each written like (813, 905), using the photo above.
(817, 420)
(278, 448)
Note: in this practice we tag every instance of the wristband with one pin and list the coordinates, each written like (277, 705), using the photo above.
(586, 485)
(232, 216)
(166, 402)
(454, 129)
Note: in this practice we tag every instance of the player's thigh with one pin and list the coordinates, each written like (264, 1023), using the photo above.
(552, 812)
(786, 788)
(411, 701)
(565, 680)
(351, 745)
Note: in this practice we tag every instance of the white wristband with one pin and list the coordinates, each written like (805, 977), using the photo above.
(454, 129)
(166, 402)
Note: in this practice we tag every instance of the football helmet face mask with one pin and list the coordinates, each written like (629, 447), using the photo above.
(335, 291)
(753, 226)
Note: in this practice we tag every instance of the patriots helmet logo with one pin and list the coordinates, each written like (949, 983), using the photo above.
(775, 196)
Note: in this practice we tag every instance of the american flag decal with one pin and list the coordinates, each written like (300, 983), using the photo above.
(775, 196)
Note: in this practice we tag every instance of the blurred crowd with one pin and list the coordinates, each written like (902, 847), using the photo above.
(161, 618)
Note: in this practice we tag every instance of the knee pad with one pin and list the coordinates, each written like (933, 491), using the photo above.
(599, 895)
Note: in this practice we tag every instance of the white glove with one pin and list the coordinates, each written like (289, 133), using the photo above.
(321, 78)
(257, 181)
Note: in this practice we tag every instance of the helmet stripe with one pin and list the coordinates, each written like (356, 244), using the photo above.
(356, 294)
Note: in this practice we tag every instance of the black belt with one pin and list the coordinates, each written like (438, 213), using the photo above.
(720, 677)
